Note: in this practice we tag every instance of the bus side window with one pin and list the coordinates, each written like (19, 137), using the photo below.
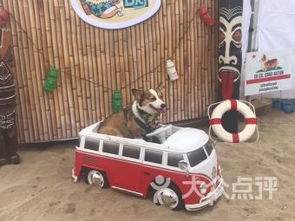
(209, 148)
(173, 159)
(91, 144)
(131, 151)
(153, 156)
(110, 147)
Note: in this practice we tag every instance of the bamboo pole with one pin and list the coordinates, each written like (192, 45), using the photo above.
(181, 55)
(138, 56)
(123, 78)
(43, 56)
(203, 64)
(100, 52)
(207, 63)
(144, 69)
(164, 56)
(88, 73)
(174, 41)
(109, 40)
(192, 11)
(135, 60)
(76, 77)
(94, 90)
(33, 118)
(104, 70)
(38, 64)
(192, 58)
(148, 78)
(57, 95)
(82, 75)
(124, 54)
(71, 71)
(62, 57)
(185, 58)
(199, 57)
(157, 55)
(65, 71)
(51, 97)
(131, 72)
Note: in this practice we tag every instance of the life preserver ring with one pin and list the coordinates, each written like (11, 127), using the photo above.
(245, 110)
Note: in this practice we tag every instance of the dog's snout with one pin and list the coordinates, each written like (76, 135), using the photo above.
(163, 105)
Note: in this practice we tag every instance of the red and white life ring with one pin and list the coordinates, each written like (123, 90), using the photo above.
(245, 110)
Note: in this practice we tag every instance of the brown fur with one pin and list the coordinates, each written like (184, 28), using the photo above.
(117, 125)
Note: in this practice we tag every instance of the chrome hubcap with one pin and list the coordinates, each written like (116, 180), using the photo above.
(168, 197)
(95, 177)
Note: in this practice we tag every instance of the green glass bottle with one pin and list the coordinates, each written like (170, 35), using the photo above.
(51, 80)
(117, 101)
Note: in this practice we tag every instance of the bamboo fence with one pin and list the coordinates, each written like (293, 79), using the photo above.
(94, 62)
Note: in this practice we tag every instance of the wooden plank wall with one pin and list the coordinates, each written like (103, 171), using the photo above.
(93, 62)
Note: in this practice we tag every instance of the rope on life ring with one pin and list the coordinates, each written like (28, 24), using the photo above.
(244, 109)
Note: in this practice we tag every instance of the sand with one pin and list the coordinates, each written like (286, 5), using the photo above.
(41, 187)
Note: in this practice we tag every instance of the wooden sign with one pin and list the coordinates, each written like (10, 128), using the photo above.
(115, 14)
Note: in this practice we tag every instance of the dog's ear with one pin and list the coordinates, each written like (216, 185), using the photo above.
(138, 94)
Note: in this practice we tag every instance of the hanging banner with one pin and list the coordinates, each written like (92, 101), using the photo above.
(268, 72)
(115, 14)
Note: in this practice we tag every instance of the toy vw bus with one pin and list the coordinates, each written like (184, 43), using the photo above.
(179, 170)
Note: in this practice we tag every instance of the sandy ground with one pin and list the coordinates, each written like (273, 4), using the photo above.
(41, 187)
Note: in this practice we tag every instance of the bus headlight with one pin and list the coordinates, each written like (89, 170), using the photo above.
(203, 188)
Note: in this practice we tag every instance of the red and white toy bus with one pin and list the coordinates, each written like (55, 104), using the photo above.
(179, 171)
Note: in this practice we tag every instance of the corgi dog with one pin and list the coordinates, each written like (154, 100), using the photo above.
(268, 63)
(137, 120)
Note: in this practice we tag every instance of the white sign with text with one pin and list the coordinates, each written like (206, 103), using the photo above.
(268, 72)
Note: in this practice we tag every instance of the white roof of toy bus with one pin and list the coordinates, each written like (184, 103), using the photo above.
(187, 139)
(183, 140)
(90, 129)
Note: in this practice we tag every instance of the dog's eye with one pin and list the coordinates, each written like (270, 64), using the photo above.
(154, 98)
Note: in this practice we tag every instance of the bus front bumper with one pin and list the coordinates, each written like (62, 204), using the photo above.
(74, 177)
(208, 200)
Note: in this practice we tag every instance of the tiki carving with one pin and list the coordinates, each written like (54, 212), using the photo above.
(8, 136)
(230, 55)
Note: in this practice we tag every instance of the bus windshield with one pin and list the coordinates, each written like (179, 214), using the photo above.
(197, 156)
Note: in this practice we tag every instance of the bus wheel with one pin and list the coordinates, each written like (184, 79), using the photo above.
(95, 177)
(170, 197)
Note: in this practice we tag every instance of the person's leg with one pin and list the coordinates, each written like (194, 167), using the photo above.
(12, 145)
(3, 159)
